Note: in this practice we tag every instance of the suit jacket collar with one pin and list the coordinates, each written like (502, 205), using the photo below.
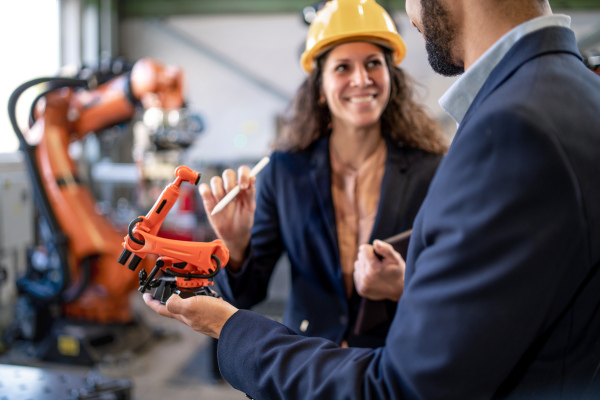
(544, 41)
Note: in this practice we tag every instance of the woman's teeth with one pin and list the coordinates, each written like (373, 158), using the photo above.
(363, 99)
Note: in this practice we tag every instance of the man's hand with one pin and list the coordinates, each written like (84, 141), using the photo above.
(204, 314)
(379, 279)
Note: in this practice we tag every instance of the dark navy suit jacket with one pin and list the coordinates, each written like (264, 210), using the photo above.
(295, 214)
(502, 292)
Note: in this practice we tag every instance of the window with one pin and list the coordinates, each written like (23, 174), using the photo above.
(29, 48)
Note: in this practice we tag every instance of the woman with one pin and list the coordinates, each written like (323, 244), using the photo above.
(353, 164)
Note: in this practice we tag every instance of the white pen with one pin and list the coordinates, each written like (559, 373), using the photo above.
(236, 190)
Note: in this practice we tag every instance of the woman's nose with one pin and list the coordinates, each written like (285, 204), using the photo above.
(360, 77)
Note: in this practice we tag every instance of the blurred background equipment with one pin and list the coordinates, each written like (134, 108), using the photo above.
(74, 296)
(16, 233)
(310, 12)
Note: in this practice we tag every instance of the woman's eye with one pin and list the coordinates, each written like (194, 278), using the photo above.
(341, 67)
(373, 63)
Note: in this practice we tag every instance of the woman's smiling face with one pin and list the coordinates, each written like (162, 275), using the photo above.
(356, 84)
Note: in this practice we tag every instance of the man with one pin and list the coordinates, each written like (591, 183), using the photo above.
(502, 294)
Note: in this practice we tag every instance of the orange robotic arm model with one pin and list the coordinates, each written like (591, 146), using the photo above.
(187, 267)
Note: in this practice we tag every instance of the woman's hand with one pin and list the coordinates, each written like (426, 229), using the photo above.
(233, 223)
(379, 279)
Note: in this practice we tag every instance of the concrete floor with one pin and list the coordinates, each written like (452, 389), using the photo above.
(166, 369)
(178, 366)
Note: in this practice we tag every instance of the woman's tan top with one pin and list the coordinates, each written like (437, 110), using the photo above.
(355, 199)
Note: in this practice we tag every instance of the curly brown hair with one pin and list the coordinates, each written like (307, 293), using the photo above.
(404, 121)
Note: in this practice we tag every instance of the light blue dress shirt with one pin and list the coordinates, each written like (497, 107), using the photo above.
(457, 100)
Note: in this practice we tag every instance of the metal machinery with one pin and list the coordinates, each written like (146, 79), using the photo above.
(74, 297)
(20, 382)
(16, 232)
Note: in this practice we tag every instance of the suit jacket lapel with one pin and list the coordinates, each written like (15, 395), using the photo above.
(393, 187)
(320, 175)
(373, 313)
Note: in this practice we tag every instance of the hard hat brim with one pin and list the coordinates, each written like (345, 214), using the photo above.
(392, 42)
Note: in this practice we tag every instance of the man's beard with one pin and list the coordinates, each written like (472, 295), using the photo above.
(439, 35)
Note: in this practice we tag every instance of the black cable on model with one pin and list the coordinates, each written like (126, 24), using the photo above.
(201, 276)
(130, 231)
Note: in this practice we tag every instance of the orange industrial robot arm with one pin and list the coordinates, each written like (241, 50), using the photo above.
(91, 285)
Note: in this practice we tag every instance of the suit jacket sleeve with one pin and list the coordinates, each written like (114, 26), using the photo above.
(479, 290)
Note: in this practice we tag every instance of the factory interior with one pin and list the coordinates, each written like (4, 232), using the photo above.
(238, 64)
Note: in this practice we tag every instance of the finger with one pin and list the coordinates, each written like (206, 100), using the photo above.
(359, 278)
(207, 197)
(175, 304)
(364, 252)
(358, 268)
(229, 179)
(384, 249)
(244, 177)
(362, 269)
(247, 197)
(216, 186)
(205, 191)
(150, 301)
(156, 306)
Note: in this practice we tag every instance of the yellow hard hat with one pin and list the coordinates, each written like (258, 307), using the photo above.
(342, 21)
